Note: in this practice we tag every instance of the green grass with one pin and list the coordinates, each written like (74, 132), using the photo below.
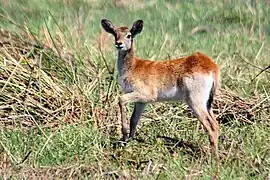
(234, 33)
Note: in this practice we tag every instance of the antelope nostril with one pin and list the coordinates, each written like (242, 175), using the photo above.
(118, 43)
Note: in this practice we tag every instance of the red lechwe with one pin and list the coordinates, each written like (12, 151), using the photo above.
(193, 79)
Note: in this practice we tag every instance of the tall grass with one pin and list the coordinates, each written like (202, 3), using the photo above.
(68, 69)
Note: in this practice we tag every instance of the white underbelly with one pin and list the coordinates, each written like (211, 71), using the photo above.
(171, 94)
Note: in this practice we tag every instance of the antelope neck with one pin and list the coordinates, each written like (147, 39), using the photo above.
(124, 61)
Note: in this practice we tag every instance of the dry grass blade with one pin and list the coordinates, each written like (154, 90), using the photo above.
(228, 105)
(29, 89)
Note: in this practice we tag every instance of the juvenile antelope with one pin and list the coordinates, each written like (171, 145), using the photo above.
(193, 79)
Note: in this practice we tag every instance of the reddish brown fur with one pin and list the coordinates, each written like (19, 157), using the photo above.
(152, 74)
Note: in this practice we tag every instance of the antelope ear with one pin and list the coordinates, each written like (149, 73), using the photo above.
(108, 26)
(136, 28)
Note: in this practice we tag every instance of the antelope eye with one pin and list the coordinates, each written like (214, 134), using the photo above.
(128, 36)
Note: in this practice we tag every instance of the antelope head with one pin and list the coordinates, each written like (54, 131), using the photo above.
(123, 35)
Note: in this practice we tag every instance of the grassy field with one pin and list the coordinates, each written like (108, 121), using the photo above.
(59, 90)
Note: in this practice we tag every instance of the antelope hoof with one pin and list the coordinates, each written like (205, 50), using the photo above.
(124, 141)
(121, 142)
